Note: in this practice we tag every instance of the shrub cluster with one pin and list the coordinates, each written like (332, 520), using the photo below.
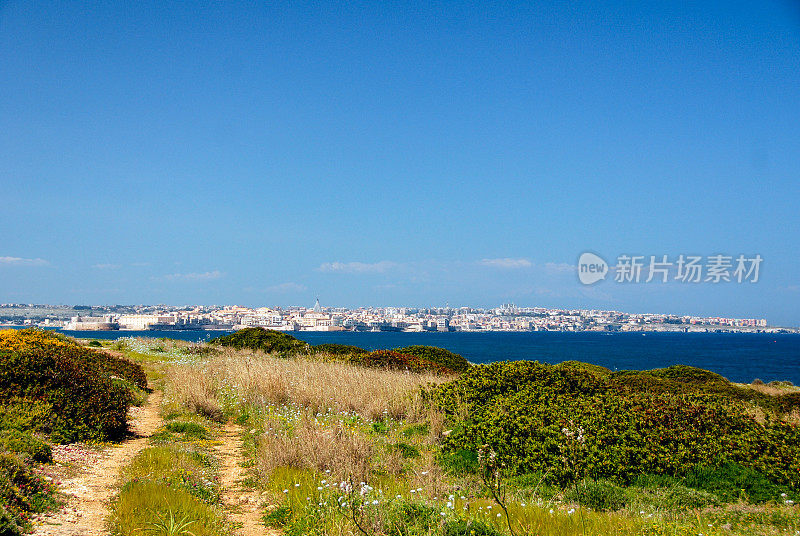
(392, 360)
(51, 384)
(265, 340)
(573, 422)
(412, 358)
(22, 492)
(26, 444)
(446, 358)
(338, 349)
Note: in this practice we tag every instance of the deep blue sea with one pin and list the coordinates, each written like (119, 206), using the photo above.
(740, 357)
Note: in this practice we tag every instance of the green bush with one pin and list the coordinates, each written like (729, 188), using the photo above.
(459, 462)
(265, 340)
(122, 368)
(441, 356)
(389, 359)
(26, 444)
(600, 495)
(416, 430)
(338, 349)
(572, 423)
(41, 370)
(470, 527)
(278, 517)
(95, 344)
(18, 413)
(189, 429)
(406, 450)
(8, 524)
(413, 518)
(22, 492)
(380, 427)
(731, 481)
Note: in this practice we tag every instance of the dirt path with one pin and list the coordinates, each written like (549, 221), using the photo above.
(244, 504)
(93, 485)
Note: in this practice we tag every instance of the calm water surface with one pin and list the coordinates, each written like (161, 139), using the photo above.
(740, 357)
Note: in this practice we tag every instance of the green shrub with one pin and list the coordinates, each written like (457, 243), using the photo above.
(416, 430)
(8, 524)
(596, 370)
(459, 462)
(189, 429)
(406, 450)
(389, 359)
(122, 368)
(95, 344)
(413, 518)
(338, 349)
(23, 414)
(446, 358)
(731, 481)
(470, 527)
(27, 444)
(600, 495)
(612, 426)
(380, 427)
(278, 517)
(43, 370)
(265, 340)
(22, 492)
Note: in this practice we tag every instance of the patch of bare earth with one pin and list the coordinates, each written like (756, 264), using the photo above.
(87, 476)
(244, 504)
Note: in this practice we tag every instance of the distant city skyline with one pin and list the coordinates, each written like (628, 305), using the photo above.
(404, 154)
(39, 312)
(505, 317)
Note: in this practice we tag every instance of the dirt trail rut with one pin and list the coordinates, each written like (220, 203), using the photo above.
(244, 504)
(90, 490)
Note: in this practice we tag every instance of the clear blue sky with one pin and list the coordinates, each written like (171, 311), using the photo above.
(390, 153)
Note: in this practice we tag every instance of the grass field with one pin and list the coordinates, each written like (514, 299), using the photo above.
(340, 447)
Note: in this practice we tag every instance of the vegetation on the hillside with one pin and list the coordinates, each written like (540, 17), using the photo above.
(170, 485)
(260, 339)
(51, 384)
(418, 442)
(569, 422)
(393, 360)
(318, 423)
(412, 358)
(22, 493)
(338, 349)
(443, 357)
(52, 388)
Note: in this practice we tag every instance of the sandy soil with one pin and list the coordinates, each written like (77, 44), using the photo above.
(87, 476)
(243, 504)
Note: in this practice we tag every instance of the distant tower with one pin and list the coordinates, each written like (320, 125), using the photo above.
(317, 306)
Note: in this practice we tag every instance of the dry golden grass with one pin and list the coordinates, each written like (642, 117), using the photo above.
(771, 389)
(309, 388)
(260, 380)
(345, 453)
